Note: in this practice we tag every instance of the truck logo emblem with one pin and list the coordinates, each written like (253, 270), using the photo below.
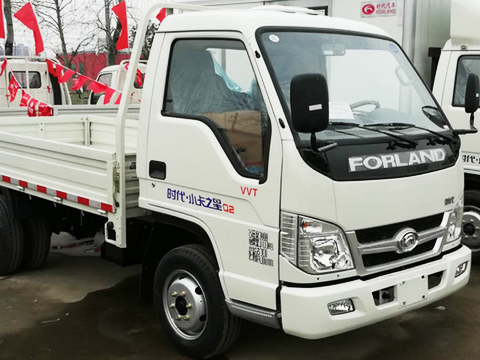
(407, 240)
(401, 159)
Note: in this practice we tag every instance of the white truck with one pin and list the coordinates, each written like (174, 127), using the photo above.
(309, 184)
(33, 76)
(460, 57)
(114, 76)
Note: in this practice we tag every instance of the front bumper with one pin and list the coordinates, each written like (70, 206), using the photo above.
(305, 312)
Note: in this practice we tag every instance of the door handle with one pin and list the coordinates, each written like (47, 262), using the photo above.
(157, 169)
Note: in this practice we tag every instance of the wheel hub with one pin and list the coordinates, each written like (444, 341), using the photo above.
(185, 305)
(471, 229)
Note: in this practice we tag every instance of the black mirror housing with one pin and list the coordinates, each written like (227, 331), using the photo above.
(472, 94)
(309, 103)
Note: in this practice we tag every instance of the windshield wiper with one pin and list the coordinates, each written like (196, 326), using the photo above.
(401, 141)
(446, 139)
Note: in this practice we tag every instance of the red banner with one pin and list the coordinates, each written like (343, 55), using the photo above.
(2, 25)
(13, 87)
(32, 107)
(26, 15)
(81, 80)
(121, 11)
(25, 98)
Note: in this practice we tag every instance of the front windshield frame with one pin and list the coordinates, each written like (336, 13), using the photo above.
(301, 139)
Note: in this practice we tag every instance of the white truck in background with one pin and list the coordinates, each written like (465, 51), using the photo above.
(114, 76)
(459, 58)
(311, 185)
(33, 76)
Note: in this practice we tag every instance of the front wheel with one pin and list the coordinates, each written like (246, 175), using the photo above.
(471, 223)
(190, 303)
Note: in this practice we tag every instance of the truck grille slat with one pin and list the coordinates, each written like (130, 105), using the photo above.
(388, 231)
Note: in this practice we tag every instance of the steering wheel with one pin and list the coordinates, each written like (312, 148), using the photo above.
(365, 102)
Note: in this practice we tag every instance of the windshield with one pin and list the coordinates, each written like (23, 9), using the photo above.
(370, 81)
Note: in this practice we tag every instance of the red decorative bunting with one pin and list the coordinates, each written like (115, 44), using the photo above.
(4, 65)
(81, 80)
(66, 76)
(32, 105)
(108, 95)
(25, 98)
(98, 87)
(139, 78)
(26, 15)
(162, 14)
(2, 26)
(51, 67)
(13, 87)
(45, 110)
(121, 11)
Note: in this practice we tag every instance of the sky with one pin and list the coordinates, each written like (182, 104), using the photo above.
(74, 32)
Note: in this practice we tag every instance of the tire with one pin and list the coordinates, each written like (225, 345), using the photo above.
(471, 223)
(37, 239)
(190, 303)
(11, 240)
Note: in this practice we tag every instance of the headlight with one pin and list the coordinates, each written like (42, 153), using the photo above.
(454, 226)
(314, 246)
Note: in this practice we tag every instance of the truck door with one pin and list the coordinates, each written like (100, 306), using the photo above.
(213, 157)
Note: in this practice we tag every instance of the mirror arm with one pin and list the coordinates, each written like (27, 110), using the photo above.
(317, 150)
(472, 130)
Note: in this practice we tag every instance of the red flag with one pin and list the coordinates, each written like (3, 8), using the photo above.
(4, 65)
(139, 78)
(13, 87)
(26, 15)
(79, 82)
(32, 105)
(25, 98)
(51, 67)
(121, 11)
(2, 26)
(162, 14)
(98, 87)
(45, 110)
(108, 95)
(58, 70)
(66, 76)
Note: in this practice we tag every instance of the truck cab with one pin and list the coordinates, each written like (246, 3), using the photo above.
(114, 77)
(330, 218)
(33, 76)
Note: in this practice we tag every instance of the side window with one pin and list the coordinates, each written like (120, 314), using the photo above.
(34, 80)
(213, 81)
(466, 65)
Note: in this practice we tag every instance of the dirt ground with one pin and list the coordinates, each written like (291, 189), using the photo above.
(81, 307)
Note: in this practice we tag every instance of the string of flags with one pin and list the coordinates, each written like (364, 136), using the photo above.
(26, 15)
(35, 107)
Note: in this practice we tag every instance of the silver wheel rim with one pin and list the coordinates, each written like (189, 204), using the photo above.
(184, 304)
(471, 228)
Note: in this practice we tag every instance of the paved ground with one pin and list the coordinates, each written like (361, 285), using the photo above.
(81, 307)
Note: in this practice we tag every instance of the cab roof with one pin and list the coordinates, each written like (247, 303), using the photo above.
(248, 21)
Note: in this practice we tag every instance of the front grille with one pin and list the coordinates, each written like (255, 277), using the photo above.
(389, 257)
(386, 232)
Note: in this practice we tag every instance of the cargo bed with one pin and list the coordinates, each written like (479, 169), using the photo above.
(68, 159)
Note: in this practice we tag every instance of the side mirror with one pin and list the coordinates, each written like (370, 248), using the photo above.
(472, 97)
(472, 94)
(309, 103)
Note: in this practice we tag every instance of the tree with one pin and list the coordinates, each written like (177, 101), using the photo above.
(53, 15)
(7, 8)
(147, 45)
(111, 34)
